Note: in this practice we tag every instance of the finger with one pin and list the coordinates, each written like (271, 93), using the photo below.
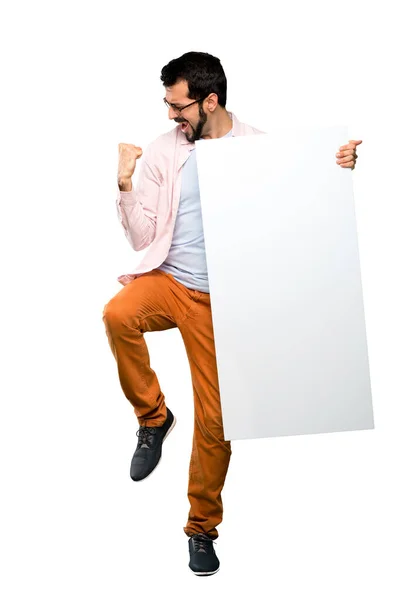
(345, 157)
(356, 142)
(345, 153)
(348, 162)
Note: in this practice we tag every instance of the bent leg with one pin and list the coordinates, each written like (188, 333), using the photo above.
(145, 304)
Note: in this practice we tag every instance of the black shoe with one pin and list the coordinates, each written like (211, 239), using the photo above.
(148, 450)
(203, 560)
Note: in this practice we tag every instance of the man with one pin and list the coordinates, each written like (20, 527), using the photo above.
(170, 289)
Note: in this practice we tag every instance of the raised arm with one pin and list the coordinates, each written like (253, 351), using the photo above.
(137, 208)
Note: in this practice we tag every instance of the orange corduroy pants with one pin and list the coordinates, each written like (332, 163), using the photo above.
(156, 301)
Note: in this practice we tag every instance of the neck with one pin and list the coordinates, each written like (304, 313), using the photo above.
(220, 123)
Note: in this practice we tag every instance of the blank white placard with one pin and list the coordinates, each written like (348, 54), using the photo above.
(285, 283)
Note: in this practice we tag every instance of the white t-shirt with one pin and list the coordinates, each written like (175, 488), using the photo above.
(186, 259)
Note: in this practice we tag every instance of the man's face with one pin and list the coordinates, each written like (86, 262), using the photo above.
(192, 119)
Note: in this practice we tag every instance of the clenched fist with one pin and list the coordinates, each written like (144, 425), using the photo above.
(128, 154)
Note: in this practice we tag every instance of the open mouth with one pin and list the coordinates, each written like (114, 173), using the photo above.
(184, 126)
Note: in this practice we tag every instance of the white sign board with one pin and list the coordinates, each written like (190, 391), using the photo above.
(285, 283)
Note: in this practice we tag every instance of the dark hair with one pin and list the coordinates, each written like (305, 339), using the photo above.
(202, 71)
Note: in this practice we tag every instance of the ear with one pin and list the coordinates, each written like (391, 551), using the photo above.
(212, 102)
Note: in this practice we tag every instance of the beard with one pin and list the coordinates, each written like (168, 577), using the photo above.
(196, 135)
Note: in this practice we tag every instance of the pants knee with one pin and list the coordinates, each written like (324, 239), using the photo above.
(112, 317)
(116, 319)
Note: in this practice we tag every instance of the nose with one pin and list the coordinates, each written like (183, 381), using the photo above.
(172, 112)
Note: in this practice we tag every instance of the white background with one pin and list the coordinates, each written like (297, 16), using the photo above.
(306, 516)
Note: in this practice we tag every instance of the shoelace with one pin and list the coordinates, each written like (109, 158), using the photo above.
(144, 434)
(201, 542)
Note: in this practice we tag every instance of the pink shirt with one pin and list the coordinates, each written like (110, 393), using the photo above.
(148, 213)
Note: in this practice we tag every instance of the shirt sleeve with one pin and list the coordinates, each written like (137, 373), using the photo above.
(137, 209)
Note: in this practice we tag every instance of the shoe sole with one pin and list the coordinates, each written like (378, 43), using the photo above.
(165, 437)
(204, 574)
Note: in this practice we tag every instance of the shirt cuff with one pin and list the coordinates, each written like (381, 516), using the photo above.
(127, 196)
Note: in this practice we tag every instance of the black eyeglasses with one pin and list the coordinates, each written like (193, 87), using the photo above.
(179, 110)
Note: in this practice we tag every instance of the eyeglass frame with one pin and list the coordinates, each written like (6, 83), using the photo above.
(179, 110)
